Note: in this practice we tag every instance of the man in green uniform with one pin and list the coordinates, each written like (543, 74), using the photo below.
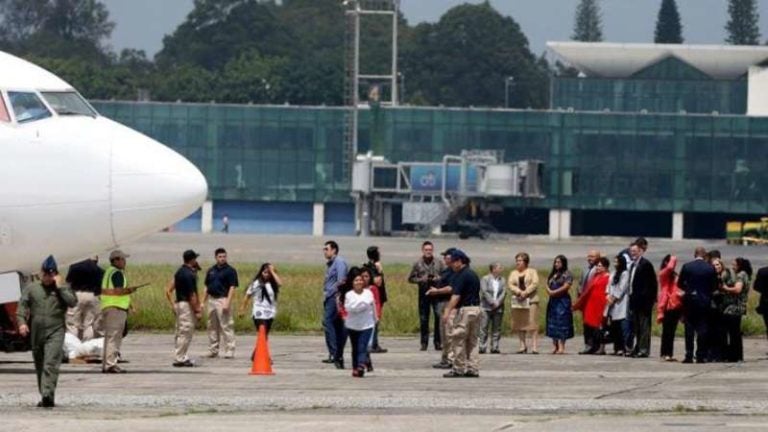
(42, 312)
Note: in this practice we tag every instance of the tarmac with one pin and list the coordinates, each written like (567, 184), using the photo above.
(514, 392)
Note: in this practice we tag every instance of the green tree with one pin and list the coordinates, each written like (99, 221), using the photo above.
(250, 78)
(216, 31)
(742, 26)
(588, 26)
(466, 58)
(55, 28)
(314, 72)
(669, 30)
(187, 83)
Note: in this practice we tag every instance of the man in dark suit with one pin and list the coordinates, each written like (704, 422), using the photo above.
(761, 286)
(698, 279)
(643, 289)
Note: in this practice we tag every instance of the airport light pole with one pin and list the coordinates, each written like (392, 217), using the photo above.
(508, 82)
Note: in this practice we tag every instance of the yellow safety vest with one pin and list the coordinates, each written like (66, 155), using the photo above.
(117, 301)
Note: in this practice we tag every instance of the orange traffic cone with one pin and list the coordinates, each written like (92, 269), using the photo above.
(262, 365)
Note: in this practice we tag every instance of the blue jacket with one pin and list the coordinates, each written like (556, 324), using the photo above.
(698, 279)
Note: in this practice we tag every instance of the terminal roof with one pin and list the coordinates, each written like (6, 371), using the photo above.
(622, 60)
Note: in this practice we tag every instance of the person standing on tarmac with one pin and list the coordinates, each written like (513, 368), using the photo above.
(425, 273)
(187, 307)
(441, 295)
(464, 311)
(115, 303)
(41, 314)
(220, 282)
(83, 320)
(377, 277)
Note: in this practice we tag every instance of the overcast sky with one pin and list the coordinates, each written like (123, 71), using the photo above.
(143, 23)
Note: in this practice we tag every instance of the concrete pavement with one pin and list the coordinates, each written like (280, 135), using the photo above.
(517, 392)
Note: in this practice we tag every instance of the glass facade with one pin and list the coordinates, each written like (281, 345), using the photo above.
(249, 152)
(669, 86)
(593, 161)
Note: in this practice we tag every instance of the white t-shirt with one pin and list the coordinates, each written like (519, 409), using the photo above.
(360, 310)
(262, 308)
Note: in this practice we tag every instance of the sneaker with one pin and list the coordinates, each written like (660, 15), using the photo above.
(211, 355)
(495, 351)
(471, 374)
(328, 360)
(369, 367)
(423, 347)
(339, 364)
(438, 347)
(481, 351)
(453, 374)
(443, 365)
(378, 350)
(229, 356)
(114, 370)
(185, 363)
(47, 402)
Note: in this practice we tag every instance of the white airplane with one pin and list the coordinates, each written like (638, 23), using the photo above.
(73, 183)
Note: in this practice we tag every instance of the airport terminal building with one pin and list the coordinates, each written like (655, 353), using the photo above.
(641, 139)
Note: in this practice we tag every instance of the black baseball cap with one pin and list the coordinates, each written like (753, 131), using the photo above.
(448, 251)
(458, 254)
(189, 255)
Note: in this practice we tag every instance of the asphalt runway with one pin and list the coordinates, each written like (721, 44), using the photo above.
(168, 247)
(514, 392)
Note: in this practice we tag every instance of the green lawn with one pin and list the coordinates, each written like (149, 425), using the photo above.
(300, 303)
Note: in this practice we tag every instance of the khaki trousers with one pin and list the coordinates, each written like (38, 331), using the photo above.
(84, 320)
(464, 339)
(445, 333)
(185, 328)
(113, 320)
(221, 325)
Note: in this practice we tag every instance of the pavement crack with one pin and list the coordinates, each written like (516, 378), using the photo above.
(659, 383)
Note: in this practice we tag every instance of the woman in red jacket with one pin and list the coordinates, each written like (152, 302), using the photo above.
(592, 305)
(669, 307)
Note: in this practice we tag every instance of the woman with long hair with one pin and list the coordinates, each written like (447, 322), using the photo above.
(734, 307)
(669, 307)
(618, 301)
(559, 313)
(263, 291)
(523, 284)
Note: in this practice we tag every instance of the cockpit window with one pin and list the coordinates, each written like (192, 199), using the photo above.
(68, 103)
(27, 106)
(4, 116)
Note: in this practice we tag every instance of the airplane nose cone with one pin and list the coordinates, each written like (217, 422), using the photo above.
(153, 187)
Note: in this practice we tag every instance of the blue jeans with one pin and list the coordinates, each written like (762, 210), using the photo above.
(335, 333)
(359, 340)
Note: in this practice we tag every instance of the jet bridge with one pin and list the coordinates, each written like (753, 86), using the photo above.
(433, 193)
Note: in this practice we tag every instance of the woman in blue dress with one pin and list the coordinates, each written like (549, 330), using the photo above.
(559, 314)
